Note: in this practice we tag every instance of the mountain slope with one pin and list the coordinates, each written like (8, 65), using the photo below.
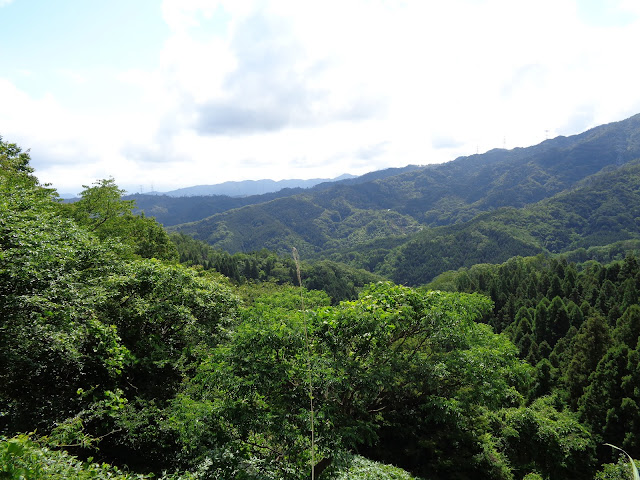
(296, 221)
(176, 210)
(344, 215)
(169, 210)
(603, 209)
(458, 190)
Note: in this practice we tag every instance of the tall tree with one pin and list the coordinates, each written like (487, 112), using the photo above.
(590, 344)
(103, 211)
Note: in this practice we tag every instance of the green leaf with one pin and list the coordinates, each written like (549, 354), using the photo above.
(636, 476)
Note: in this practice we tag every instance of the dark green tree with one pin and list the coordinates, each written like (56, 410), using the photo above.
(609, 402)
(542, 326)
(559, 321)
(590, 344)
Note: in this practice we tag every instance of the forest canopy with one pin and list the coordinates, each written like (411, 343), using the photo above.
(118, 361)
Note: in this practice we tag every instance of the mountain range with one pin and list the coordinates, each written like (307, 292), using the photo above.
(412, 224)
(172, 210)
(249, 187)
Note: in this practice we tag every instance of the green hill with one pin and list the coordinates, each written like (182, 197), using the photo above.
(488, 203)
(169, 209)
(603, 210)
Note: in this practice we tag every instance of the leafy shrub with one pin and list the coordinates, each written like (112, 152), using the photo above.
(355, 467)
(22, 458)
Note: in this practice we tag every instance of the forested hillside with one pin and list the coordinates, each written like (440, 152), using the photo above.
(172, 210)
(579, 324)
(603, 209)
(390, 231)
(338, 280)
(118, 361)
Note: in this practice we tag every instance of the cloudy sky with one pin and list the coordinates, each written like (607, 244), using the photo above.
(174, 93)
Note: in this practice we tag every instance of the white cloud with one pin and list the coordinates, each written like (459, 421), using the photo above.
(281, 89)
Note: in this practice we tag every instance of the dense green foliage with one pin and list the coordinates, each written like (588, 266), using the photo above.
(340, 281)
(102, 211)
(115, 358)
(88, 326)
(406, 376)
(23, 458)
(580, 325)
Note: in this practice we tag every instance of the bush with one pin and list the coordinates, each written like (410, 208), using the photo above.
(22, 458)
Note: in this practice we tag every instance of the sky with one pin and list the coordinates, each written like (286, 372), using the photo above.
(163, 94)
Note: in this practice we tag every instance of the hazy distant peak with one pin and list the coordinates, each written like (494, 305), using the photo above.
(251, 187)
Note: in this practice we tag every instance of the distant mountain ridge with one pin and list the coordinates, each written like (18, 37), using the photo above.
(175, 210)
(246, 188)
(365, 222)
